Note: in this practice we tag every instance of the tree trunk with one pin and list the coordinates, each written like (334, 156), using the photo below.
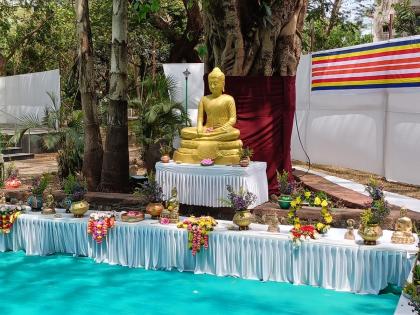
(115, 173)
(259, 38)
(242, 39)
(93, 153)
(334, 16)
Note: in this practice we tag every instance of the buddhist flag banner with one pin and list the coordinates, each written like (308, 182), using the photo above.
(392, 64)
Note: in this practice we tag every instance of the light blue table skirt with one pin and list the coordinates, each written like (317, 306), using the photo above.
(331, 262)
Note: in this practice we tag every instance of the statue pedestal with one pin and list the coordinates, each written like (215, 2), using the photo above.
(206, 185)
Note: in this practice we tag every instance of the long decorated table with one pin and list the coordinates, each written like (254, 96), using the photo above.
(206, 185)
(329, 262)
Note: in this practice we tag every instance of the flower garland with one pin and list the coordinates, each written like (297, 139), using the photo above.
(316, 200)
(8, 215)
(302, 233)
(198, 232)
(98, 225)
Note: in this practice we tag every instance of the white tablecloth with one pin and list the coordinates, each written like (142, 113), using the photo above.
(330, 262)
(206, 185)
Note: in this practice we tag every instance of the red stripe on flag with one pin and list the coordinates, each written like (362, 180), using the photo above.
(374, 77)
(380, 54)
(364, 69)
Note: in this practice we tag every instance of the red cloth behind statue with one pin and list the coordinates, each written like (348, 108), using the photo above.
(265, 109)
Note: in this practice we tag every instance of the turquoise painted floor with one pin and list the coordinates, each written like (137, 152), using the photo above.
(59, 285)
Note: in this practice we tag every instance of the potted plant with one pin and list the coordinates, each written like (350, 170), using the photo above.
(239, 202)
(371, 218)
(245, 156)
(285, 188)
(75, 191)
(165, 151)
(154, 194)
(39, 184)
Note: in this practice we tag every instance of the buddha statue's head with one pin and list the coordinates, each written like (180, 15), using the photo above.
(216, 82)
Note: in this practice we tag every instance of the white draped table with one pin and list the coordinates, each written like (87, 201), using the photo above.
(330, 262)
(206, 185)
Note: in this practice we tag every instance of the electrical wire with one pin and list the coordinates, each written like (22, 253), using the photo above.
(303, 148)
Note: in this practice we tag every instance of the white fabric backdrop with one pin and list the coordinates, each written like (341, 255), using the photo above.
(329, 262)
(370, 130)
(195, 84)
(27, 94)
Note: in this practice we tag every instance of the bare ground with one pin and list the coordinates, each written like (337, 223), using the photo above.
(363, 178)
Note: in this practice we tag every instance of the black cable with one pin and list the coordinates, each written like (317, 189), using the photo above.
(301, 144)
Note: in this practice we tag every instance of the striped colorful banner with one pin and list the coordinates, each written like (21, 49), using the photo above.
(387, 65)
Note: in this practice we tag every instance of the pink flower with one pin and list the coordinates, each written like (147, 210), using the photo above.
(164, 221)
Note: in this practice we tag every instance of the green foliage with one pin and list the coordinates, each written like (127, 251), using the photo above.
(39, 184)
(416, 272)
(376, 214)
(74, 187)
(410, 289)
(246, 152)
(345, 31)
(406, 22)
(165, 149)
(160, 119)
(65, 134)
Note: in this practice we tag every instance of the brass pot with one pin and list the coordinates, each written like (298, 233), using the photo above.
(165, 158)
(242, 219)
(79, 208)
(370, 233)
(154, 209)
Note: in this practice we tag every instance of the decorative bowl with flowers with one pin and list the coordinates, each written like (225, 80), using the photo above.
(207, 162)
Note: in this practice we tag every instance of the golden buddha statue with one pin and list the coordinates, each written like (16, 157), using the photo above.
(214, 137)
(49, 205)
(403, 229)
(173, 206)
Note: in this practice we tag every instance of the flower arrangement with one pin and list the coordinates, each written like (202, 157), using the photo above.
(165, 149)
(239, 200)
(74, 188)
(286, 187)
(374, 189)
(316, 200)
(198, 232)
(8, 215)
(12, 180)
(98, 225)
(301, 233)
(39, 184)
(378, 210)
(246, 153)
(207, 162)
(151, 190)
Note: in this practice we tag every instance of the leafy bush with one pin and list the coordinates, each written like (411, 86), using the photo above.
(74, 188)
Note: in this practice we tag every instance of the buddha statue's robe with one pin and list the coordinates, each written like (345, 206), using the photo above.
(217, 138)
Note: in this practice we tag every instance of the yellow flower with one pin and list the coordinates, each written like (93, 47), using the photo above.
(324, 203)
(319, 226)
(328, 219)
(297, 226)
(298, 199)
(293, 204)
(290, 214)
(307, 194)
(317, 201)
